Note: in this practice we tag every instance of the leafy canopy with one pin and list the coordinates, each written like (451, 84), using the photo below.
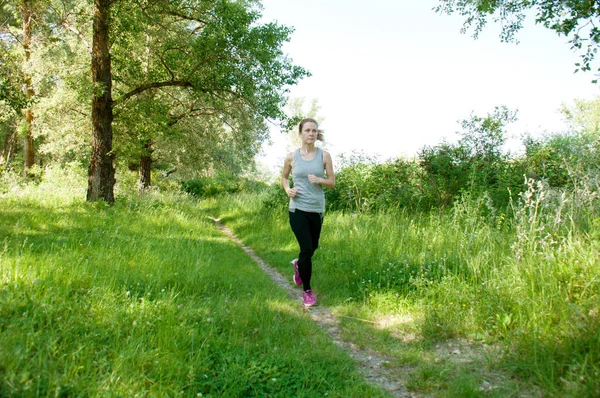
(575, 19)
(198, 79)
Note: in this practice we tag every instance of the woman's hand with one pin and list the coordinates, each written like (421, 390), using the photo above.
(291, 192)
(314, 179)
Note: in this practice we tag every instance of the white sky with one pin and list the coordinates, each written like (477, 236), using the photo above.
(392, 76)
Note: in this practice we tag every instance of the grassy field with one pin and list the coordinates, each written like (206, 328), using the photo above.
(148, 298)
(522, 290)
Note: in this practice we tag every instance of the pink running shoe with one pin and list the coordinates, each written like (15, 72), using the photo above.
(297, 279)
(309, 298)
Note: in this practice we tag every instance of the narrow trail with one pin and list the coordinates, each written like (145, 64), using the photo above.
(372, 365)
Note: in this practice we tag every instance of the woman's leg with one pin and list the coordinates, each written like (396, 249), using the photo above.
(316, 222)
(304, 227)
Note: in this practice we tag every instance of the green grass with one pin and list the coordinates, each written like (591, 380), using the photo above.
(148, 298)
(527, 284)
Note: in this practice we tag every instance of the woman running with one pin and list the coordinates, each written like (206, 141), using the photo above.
(311, 169)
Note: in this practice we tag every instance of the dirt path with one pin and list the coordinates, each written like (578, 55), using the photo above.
(372, 365)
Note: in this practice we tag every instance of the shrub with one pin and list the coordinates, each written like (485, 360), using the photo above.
(350, 189)
(221, 184)
(445, 173)
(558, 158)
(275, 198)
(364, 185)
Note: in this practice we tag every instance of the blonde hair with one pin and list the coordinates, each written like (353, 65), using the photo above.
(320, 136)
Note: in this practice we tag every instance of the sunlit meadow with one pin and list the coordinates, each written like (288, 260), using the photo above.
(147, 298)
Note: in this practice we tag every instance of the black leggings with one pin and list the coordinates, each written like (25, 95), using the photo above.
(307, 228)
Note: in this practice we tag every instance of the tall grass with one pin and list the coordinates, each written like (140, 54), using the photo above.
(147, 298)
(526, 279)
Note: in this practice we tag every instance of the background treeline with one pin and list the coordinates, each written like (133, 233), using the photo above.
(478, 164)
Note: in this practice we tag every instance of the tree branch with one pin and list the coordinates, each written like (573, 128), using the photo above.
(72, 29)
(188, 18)
(192, 113)
(149, 86)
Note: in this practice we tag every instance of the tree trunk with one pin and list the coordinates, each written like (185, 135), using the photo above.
(28, 149)
(145, 176)
(101, 173)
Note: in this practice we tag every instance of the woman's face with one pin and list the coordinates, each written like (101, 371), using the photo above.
(309, 133)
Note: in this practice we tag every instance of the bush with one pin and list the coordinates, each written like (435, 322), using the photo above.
(558, 158)
(369, 186)
(275, 198)
(221, 184)
(350, 188)
(446, 172)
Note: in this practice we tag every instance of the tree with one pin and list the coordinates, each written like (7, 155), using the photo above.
(36, 62)
(18, 29)
(101, 173)
(27, 16)
(12, 101)
(192, 58)
(477, 163)
(483, 138)
(574, 19)
(583, 116)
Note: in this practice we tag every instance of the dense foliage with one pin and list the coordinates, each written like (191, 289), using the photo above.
(185, 86)
(476, 165)
(465, 241)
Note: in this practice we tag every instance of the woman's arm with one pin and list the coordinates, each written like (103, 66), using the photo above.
(328, 182)
(285, 175)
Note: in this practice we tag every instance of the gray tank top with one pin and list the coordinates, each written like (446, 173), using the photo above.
(310, 196)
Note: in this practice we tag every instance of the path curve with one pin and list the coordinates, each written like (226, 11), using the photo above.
(372, 365)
